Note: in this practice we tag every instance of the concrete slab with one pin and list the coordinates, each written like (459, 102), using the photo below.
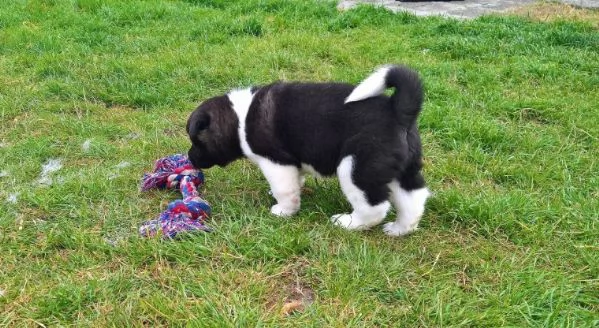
(457, 9)
(583, 3)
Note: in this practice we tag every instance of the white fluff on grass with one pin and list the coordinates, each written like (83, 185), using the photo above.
(123, 164)
(12, 198)
(86, 145)
(119, 166)
(50, 167)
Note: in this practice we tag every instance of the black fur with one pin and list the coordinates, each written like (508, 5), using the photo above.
(309, 123)
(212, 128)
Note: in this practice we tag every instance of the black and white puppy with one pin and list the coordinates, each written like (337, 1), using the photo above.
(368, 139)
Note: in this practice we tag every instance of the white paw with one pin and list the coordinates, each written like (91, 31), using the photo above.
(348, 222)
(395, 229)
(282, 211)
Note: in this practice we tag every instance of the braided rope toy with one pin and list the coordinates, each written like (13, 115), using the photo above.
(186, 215)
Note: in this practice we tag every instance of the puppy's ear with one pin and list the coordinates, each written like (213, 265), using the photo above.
(202, 123)
(197, 123)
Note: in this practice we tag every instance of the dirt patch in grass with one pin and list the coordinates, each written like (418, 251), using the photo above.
(290, 291)
(550, 12)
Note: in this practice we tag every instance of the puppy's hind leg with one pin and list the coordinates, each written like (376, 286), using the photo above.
(408, 197)
(364, 215)
(284, 181)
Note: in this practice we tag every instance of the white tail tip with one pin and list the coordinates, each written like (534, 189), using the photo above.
(372, 86)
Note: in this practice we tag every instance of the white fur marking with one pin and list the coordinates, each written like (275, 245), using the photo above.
(410, 207)
(373, 85)
(364, 215)
(284, 180)
(242, 100)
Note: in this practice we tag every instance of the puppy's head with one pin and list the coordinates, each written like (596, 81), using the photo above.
(212, 129)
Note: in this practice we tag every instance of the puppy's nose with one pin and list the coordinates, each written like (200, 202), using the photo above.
(191, 158)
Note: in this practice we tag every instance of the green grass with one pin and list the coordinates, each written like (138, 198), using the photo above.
(509, 127)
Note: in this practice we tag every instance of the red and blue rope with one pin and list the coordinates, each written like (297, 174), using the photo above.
(182, 215)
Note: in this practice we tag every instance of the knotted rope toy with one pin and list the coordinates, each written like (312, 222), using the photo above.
(186, 215)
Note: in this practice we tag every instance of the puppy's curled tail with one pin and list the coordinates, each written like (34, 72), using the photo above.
(407, 98)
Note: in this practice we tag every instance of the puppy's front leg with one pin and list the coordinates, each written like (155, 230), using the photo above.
(284, 182)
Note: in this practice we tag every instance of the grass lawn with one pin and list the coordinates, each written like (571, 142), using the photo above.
(103, 88)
